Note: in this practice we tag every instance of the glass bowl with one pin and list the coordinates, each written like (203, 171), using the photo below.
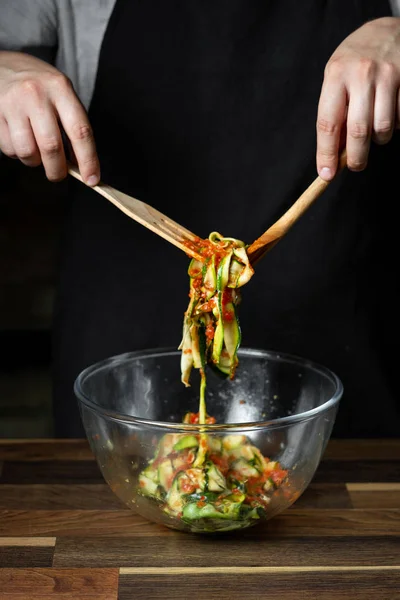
(273, 421)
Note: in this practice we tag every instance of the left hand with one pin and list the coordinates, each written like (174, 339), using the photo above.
(360, 95)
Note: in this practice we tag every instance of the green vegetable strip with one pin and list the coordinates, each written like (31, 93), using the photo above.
(211, 332)
(202, 407)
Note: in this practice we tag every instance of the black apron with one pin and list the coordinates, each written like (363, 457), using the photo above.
(206, 109)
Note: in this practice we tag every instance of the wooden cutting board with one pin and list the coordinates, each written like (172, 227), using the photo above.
(64, 534)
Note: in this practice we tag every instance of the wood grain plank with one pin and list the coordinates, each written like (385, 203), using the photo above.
(375, 499)
(30, 472)
(99, 496)
(37, 584)
(373, 487)
(292, 523)
(343, 585)
(59, 497)
(45, 450)
(359, 471)
(44, 472)
(241, 550)
(79, 449)
(261, 570)
(364, 449)
(76, 522)
(37, 542)
(373, 495)
(26, 556)
(324, 495)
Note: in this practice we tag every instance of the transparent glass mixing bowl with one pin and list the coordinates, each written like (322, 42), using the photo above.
(284, 405)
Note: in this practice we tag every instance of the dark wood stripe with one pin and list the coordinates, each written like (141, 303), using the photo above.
(324, 495)
(57, 471)
(357, 585)
(353, 450)
(123, 523)
(84, 471)
(69, 584)
(59, 497)
(334, 471)
(45, 450)
(183, 550)
(99, 496)
(76, 522)
(49, 450)
(26, 556)
(88, 472)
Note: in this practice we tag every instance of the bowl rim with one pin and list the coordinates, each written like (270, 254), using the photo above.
(246, 351)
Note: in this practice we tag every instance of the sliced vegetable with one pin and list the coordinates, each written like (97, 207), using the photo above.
(188, 441)
(166, 473)
(211, 331)
(216, 481)
(210, 479)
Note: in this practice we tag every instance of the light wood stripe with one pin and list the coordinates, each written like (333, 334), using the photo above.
(373, 487)
(248, 570)
(37, 542)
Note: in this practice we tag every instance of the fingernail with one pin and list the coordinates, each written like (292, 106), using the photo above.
(92, 180)
(325, 173)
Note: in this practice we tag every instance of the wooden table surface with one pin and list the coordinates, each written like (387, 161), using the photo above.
(64, 534)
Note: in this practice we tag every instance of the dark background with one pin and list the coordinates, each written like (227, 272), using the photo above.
(30, 218)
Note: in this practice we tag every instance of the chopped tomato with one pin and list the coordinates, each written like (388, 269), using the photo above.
(278, 476)
(187, 487)
(197, 283)
(193, 419)
(210, 332)
(208, 306)
(228, 316)
(210, 249)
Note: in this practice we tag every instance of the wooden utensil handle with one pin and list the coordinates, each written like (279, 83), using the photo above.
(282, 225)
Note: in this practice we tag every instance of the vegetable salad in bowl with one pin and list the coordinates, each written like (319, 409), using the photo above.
(211, 483)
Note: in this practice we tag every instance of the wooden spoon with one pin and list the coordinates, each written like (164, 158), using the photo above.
(148, 216)
(276, 232)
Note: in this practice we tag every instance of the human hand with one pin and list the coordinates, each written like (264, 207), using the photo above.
(36, 100)
(360, 95)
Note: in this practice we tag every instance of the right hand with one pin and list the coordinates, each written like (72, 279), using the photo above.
(35, 100)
